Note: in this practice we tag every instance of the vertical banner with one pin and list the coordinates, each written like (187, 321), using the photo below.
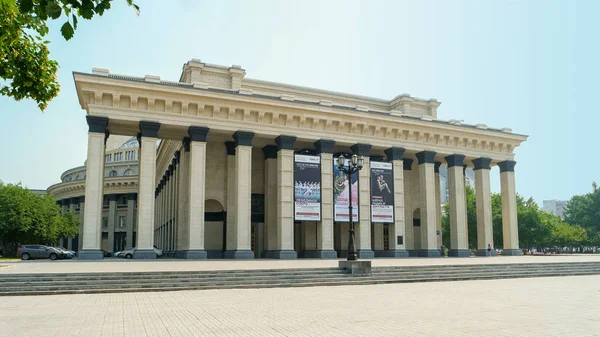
(382, 192)
(307, 188)
(340, 193)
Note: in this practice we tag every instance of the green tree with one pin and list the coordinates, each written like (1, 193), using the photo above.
(584, 209)
(567, 235)
(25, 63)
(26, 217)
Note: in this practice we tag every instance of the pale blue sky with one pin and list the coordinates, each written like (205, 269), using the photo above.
(528, 65)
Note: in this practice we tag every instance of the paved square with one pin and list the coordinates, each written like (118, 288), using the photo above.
(561, 306)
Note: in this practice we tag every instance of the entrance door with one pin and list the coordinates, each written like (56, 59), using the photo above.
(120, 241)
(386, 237)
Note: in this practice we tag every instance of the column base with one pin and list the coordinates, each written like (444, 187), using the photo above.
(391, 253)
(319, 254)
(459, 252)
(287, 254)
(214, 254)
(90, 254)
(512, 252)
(484, 252)
(194, 254)
(413, 252)
(365, 254)
(246, 254)
(144, 254)
(430, 253)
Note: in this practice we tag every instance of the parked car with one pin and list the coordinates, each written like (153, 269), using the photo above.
(69, 253)
(106, 254)
(128, 253)
(27, 252)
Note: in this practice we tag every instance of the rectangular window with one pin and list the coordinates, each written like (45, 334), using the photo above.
(122, 222)
(105, 222)
(118, 156)
(107, 158)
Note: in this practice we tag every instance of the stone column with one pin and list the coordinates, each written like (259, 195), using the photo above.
(94, 182)
(176, 178)
(483, 197)
(81, 225)
(325, 249)
(459, 243)
(242, 196)
(130, 219)
(270, 152)
(197, 190)
(363, 228)
(145, 210)
(510, 229)
(72, 209)
(438, 206)
(428, 210)
(409, 239)
(112, 219)
(285, 199)
(231, 229)
(169, 231)
(183, 195)
(397, 244)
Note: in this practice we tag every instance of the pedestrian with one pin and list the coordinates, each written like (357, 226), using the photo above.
(489, 249)
(443, 249)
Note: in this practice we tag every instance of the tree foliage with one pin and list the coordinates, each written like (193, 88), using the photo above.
(25, 65)
(584, 210)
(26, 217)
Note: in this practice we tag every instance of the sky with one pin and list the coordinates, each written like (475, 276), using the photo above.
(528, 65)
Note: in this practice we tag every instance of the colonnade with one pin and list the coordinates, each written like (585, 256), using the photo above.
(181, 192)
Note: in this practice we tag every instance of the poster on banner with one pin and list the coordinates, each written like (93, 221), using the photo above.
(340, 193)
(382, 192)
(307, 188)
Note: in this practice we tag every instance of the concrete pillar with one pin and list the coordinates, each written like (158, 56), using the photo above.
(428, 210)
(94, 182)
(409, 239)
(231, 229)
(459, 243)
(183, 196)
(197, 190)
(130, 219)
(363, 230)
(397, 243)
(324, 233)
(270, 152)
(176, 226)
(242, 196)
(145, 210)
(112, 219)
(510, 229)
(438, 205)
(483, 197)
(81, 225)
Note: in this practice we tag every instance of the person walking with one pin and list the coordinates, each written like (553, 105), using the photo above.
(489, 249)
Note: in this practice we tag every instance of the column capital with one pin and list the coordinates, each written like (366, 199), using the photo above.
(361, 149)
(270, 151)
(177, 157)
(426, 157)
(407, 164)
(507, 166)
(97, 124)
(324, 145)
(243, 138)
(455, 160)
(482, 163)
(285, 142)
(436, 167)
(186, 144)
(198, 133)
(149, 129)
(394, 153)
(230, 146)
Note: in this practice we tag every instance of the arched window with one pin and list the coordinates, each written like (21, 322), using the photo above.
(128, 172)
(112, 173)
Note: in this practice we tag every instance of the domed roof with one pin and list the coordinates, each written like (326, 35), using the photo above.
(130, 143)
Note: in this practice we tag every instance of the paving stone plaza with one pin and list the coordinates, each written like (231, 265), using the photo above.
(561, 306)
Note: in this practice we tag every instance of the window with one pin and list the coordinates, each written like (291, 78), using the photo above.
(105, 222)
(128, 172)
(107, 157)
(118, 156)
(129, 155)
(122, 222)
(112, 173)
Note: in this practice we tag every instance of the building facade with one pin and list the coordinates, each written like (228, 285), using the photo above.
(246, 168)
(556, 207)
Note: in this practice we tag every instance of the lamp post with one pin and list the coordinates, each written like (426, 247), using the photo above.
(356, 164)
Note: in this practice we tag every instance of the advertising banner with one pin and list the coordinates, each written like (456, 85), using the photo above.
(307, 188)
(382, 192)
(340, 194)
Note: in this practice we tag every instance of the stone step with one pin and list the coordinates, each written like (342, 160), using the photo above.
(347, 281)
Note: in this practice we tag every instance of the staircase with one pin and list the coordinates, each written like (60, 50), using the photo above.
(87, 283)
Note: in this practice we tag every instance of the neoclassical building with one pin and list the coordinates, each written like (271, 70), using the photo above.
(246, 168)
(119, 196)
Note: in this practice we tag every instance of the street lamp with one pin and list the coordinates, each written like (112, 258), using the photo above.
(355, 165)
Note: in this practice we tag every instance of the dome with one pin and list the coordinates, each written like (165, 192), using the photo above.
(130, 143)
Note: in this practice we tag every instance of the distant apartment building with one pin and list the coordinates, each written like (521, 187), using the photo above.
(555, 207)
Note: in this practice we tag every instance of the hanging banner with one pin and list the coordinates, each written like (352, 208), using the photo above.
(307, 188)
(382, 192)
(340, 194)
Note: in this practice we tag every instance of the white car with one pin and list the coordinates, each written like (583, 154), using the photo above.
(128, 254)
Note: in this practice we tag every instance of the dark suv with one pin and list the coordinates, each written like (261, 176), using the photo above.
(27, 252)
